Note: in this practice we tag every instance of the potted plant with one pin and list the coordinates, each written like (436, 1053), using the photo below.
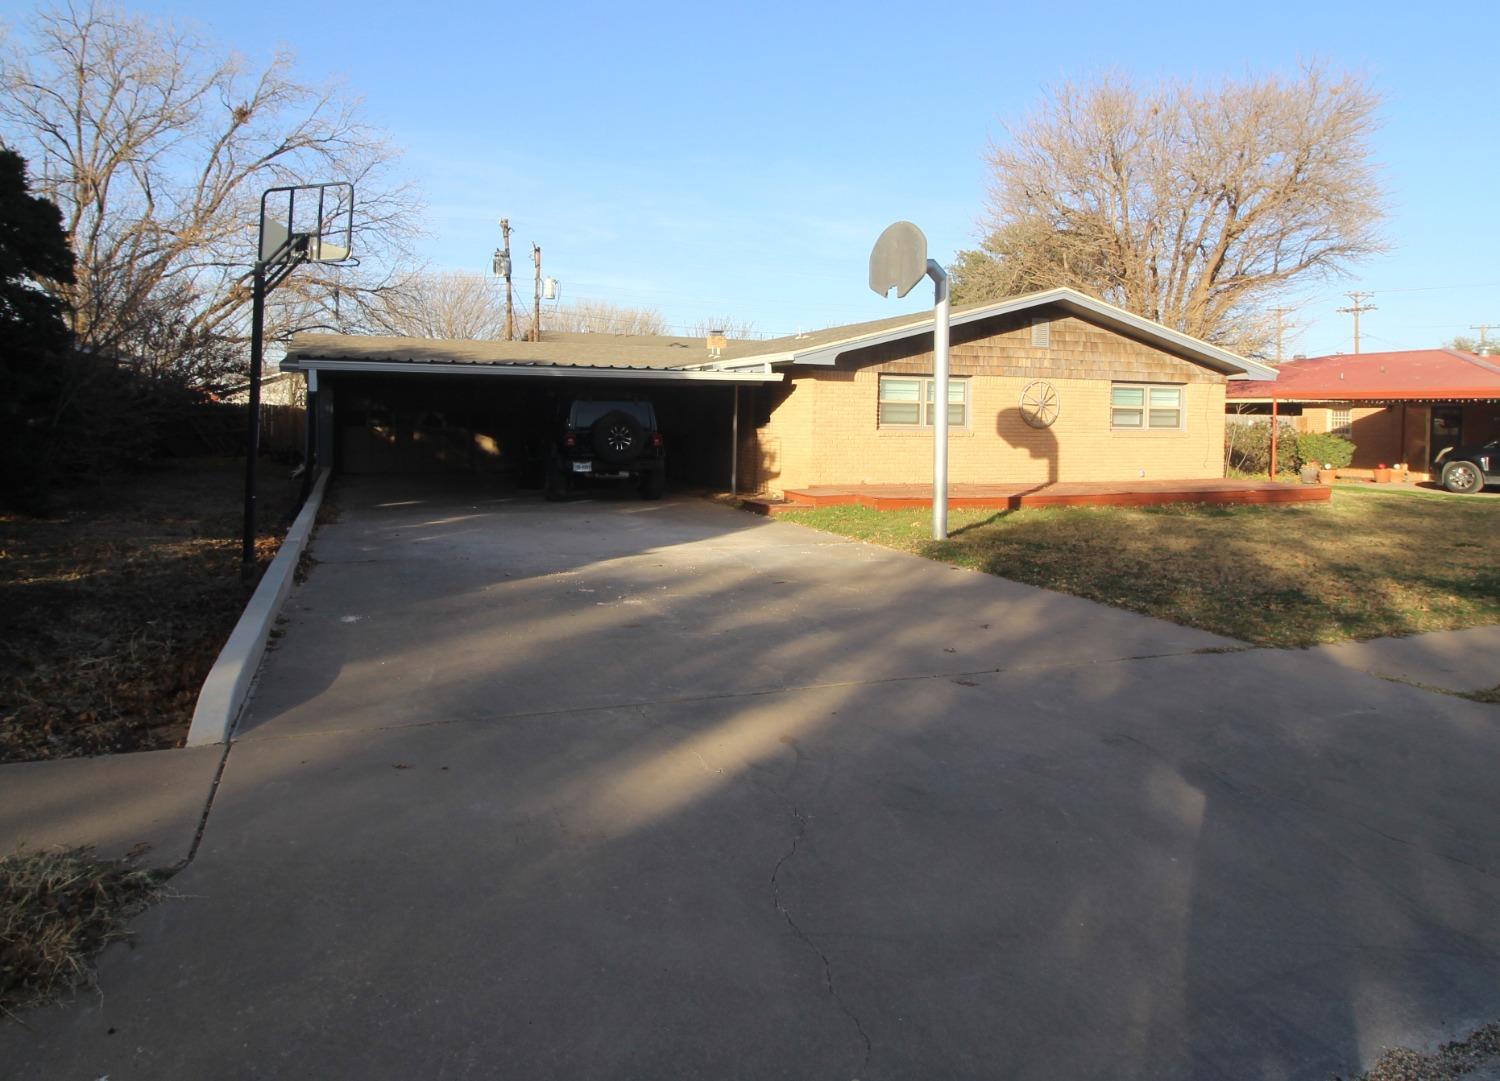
(1309, 472)
(1327, 474)
(1382, 474)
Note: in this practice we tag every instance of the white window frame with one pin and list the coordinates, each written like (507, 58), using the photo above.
(1340, 422)
(1144, 410)
(927, 392)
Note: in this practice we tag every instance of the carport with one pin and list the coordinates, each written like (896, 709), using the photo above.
(379, 405)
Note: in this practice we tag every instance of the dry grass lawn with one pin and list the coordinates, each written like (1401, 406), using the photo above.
(58, 909)
(1366, 564)
(114, 606)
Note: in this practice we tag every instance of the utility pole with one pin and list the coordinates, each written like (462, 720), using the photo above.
(1279, 312)
(1483, 328)
(536, 313)
(1358, 306)
(510, 318)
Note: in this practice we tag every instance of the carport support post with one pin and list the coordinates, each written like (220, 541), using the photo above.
(1274, 425)
(734, 448)
(309, 431)
(939, 278)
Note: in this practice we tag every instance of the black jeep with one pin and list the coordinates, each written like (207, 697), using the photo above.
(606, 440)
(1468, 469)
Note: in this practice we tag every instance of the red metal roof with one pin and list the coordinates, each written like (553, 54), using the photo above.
(1410, 375)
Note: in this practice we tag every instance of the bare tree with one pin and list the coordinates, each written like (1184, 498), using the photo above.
(1195, 208)
(157, 153)
(726, 325)
(441, 305)
(601, 317)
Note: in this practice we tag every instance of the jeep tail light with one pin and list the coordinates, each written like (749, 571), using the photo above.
(656, 439)
(569, 440)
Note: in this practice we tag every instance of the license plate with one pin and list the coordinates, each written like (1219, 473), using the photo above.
(583, 467)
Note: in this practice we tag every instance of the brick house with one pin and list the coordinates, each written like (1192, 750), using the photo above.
(1397, 407)
(1131, 398)
(1053, 386)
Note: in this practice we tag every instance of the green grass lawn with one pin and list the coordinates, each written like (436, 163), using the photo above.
(1365, 564)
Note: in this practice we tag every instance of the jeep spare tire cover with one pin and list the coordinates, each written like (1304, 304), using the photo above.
(617, 437)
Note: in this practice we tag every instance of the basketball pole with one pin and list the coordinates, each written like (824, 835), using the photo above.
(252, 438)
(939, 278)
(899, 261)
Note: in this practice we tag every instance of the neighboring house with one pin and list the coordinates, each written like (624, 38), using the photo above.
(1400, 407)
(1054, 386)
(276, 388)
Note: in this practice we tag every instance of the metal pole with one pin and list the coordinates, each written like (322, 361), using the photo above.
(252, 435)
(510, 322)
(734, 450)
(939, 278)
(1275, 424)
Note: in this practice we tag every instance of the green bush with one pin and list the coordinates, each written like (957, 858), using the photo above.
(1247, 447)
(1324, 449)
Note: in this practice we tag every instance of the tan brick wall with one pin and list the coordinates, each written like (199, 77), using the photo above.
(784, 444)
(826, 432)
(1376, 432)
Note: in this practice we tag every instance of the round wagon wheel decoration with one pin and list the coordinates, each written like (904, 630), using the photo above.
(1039, 404)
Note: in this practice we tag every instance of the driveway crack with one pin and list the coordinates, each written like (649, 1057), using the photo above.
(805, 939)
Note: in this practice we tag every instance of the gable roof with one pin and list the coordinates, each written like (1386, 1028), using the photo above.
(1406, 375)
(823, 347)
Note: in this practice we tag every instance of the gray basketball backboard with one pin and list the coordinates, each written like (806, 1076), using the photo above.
(899, 259)
(307, 222)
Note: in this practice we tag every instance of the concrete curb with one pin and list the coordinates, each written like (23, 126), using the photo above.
(228, 683)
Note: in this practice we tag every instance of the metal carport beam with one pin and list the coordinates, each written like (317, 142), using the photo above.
(527, 371)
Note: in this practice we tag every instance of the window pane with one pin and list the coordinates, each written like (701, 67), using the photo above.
(1166, 418)
(899, 390)
(1126, 418)
(1170, 397)
(956, 415)
(1128, 396)
(956, 389)
(899, 412)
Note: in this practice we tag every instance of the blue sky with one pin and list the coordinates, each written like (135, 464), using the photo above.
(719, 160)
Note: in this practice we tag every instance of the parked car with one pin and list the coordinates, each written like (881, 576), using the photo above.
(610, 439)
(1468, 469)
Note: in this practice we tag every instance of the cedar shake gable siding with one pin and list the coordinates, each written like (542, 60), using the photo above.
(821, 426)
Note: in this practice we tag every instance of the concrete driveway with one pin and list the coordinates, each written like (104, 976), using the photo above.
(626, 790)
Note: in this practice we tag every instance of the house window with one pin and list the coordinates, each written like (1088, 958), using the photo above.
(1138, 407)
(906, 401)
(1339, 422)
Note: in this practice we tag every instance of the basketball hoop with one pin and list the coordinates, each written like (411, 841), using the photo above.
(299, 223)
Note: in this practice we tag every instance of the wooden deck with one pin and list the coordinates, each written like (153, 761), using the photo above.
(1019, 496)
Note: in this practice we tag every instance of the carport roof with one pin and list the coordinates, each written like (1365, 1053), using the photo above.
(1402, 375)
(557, 354)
